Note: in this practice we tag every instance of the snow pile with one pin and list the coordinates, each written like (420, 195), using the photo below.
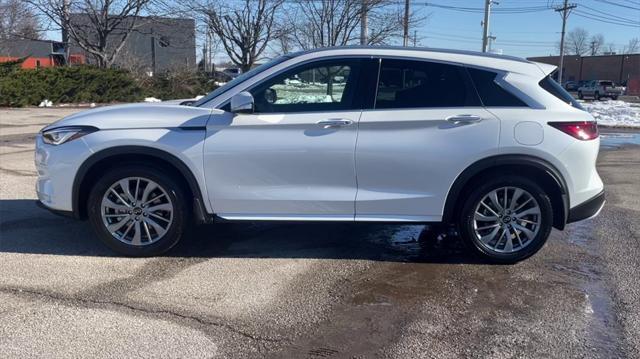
(614, 113)
(151, 99)
(292, 99)
(45, 103)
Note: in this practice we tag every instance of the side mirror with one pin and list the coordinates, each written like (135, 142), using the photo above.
(242, 102)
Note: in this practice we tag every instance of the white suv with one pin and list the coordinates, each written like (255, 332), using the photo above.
(489, 144)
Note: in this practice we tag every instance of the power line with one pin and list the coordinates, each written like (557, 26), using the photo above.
(617, 4)
(592, 17)
(609, 16)
(506, 10)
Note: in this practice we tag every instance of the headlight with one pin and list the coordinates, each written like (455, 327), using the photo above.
(60, 135)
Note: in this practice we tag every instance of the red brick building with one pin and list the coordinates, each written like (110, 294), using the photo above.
(38, 53)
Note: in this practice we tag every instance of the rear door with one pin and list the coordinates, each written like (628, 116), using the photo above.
(426, 127)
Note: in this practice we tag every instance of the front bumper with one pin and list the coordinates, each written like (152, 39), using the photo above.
(57, 167)
(588, 209)
(58, 212)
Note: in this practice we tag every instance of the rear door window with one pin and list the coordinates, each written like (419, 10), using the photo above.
(491, 94)
(421, 84)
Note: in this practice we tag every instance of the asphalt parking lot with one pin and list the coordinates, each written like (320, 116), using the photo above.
(313, 290)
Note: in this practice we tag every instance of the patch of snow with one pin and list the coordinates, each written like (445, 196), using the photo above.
(198, 97)
(151, 99)
(45, 103)
(614, 113)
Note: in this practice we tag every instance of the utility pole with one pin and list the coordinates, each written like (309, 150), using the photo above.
(415, 38)
(364, 26)
(485, 24)
(405, 40)
(564, 12)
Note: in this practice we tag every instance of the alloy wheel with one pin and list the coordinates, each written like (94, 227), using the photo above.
(506, 220)
(137, 211)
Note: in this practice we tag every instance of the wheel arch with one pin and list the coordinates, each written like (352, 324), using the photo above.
(548, 176)
(104, 159)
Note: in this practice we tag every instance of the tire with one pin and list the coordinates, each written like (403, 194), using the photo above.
(580, 95)
(614, 98)
(596, 96)
(476, 223)
(153, 225)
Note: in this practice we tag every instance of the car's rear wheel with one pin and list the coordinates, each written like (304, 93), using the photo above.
(506, 219)
(580, 95)
(596, 96)
(614, 98)
(138, 210)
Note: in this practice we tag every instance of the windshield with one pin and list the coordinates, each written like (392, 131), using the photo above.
(254, 71)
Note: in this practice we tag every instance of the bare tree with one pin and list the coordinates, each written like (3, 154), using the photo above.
(596, 43)
(577, 41)
(324, 23)
(18, 21)
(632, 47)
(285, 42)
(244, 28)
(611, 48)
(99, 27)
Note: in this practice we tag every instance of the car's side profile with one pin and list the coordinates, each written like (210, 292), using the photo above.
(487, 143)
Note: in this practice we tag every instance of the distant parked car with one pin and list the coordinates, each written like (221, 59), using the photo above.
(232, 72)
(571, 85)
(221, 76)
(600, 88)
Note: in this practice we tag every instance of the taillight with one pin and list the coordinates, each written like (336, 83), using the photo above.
(582, 130)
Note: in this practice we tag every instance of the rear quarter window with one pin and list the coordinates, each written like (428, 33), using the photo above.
(552, 87)
(491, 94)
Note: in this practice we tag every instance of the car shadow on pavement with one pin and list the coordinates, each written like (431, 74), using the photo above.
(26, 228)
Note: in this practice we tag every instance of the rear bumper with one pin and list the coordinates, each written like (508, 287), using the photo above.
(588, 209)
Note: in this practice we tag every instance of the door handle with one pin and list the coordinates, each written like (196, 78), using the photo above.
(464, 119)
(334, 122)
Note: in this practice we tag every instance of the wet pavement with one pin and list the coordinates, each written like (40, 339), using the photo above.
(314, 290)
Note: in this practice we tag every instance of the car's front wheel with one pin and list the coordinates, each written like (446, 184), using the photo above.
(138, 210)
(506, 219)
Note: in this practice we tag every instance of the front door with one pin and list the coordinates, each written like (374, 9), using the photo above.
(293, 157)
